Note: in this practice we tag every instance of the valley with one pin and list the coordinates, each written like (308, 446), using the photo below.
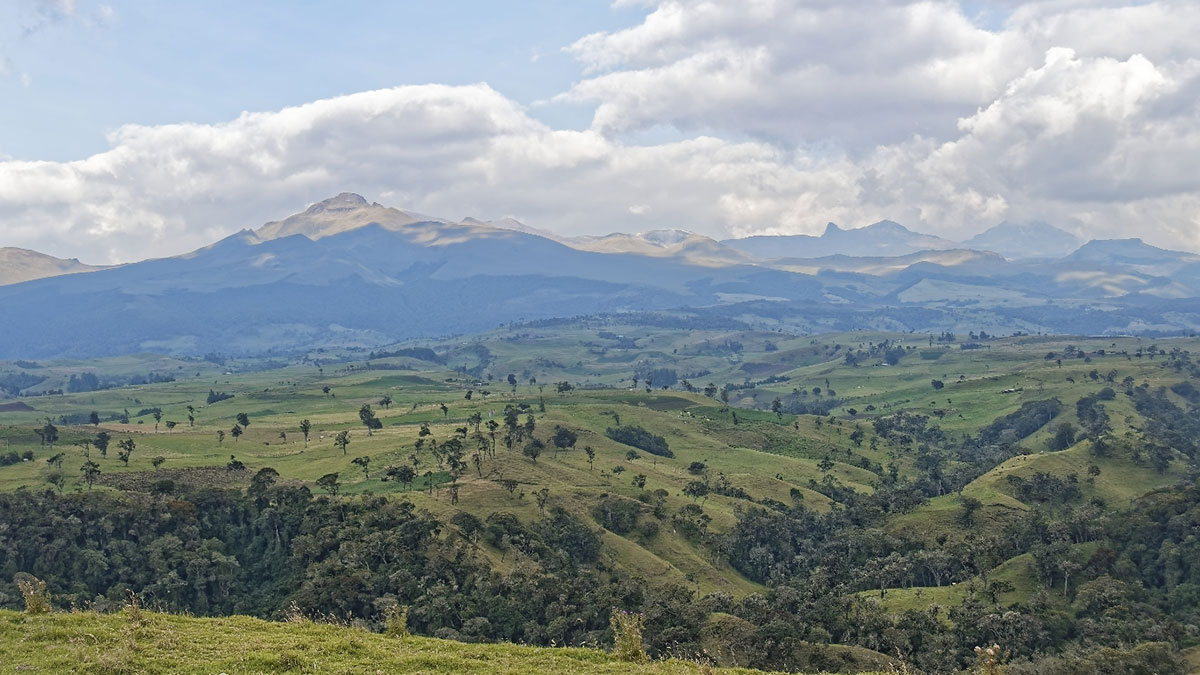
(900, 475)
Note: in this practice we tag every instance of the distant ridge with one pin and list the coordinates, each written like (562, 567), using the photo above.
(19, 264)
(885, 238)
(1025, 241)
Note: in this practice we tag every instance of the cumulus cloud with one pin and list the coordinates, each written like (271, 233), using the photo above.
(793, 113)
(452, 151)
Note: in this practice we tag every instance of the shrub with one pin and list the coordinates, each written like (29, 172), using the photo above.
(627, 630)
(641, 439)
(33, 590)
(397, 621)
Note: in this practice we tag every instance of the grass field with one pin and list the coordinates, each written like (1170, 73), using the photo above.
(86, 642)
(770, 456)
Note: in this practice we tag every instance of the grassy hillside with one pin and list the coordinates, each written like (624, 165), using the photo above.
(87, 642)
(904, 462)
(770, 456)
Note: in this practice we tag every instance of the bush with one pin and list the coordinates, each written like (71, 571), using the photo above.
(33, 590)
(627, 630)
(641, 439)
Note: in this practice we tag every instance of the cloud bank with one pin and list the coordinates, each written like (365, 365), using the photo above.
(1085, 114)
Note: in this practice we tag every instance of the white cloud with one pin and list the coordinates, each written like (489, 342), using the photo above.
(857, 111)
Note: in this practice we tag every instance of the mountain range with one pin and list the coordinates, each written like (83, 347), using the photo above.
(349, 272)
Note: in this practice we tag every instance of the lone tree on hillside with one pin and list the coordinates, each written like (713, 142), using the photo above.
(94, 418)
(365, 464)
(157, 419)
(329, 483)
(403, 473)
(305, 428)
(101, 443)
(236, 432)
(386, 402)
(127, 447)
(91, 473)
(533, 449)
(220, 437)
(244, 420)
(563, 439)
(591, 455)
(367, 416)
(342, 440)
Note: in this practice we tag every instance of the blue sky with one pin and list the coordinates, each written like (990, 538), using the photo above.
(131, 128)
(76, 77)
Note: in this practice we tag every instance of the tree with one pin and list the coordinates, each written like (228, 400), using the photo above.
(563, 387)
(191, 415)
(263, 480)
(220, 437)
(158, 461)
(101, 443)
(235, 464)
(591, 455)
(937, 384)
(777, 407)
(510, 485)
(386, 402)
(91, 473)
(856, 437)
(57, 460)
(342, 440)
(305, 428)
(512, 382)
(49, 433)
(244, 420)
(533, 449)
(631, 455)
(365, 464)
(236, 432)
(57, 478)
(94, 418)
(127, 447)
(696, 490)
(326, 390)
(329, 483)
(445, 410)
(1064, 437)
(563, 439)
(367, 416)
(639, 481)
(403, 473)
(970, 505)
(542, 496)
(157, 419)
(171, 425)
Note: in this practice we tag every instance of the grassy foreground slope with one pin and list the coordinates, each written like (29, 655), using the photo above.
(160, 643)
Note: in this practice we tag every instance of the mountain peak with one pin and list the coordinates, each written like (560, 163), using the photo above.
(831, 228)
(344, 201)
(19, 264)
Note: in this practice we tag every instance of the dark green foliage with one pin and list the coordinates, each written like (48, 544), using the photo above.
(641, 439)
(618, 514)
(217, 397)
(1030, 417)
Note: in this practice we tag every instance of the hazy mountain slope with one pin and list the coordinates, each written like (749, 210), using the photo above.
(19, 264)
(884, 238)
(346, 271)
(686, 246)
(1021, 241)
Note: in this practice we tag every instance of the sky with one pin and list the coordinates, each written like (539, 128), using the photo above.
(150, 128)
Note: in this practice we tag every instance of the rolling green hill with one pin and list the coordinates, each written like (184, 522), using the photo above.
(803, 471)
